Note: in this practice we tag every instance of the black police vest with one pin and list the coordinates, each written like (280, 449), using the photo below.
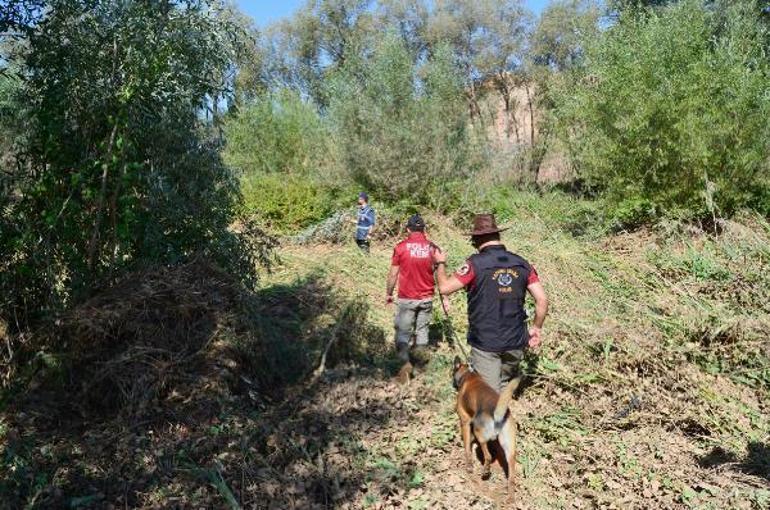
(497, 321)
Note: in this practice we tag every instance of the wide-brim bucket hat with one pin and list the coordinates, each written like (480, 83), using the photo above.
(484, 224)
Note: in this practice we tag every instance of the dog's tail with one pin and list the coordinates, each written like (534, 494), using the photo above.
(504, 399)
(487, 428)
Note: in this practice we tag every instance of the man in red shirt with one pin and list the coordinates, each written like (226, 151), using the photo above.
(412, 267)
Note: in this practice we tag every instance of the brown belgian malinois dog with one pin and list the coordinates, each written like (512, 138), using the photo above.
(486, 413)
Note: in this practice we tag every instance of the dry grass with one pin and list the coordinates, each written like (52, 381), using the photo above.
(651, 389)
(655, 361)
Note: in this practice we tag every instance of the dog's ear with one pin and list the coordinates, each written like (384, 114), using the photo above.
(457, 362)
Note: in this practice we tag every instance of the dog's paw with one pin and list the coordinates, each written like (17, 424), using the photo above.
(469, 467)
(486, 473)
(510, 495)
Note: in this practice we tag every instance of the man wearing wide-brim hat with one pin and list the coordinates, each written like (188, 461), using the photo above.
(496, 282)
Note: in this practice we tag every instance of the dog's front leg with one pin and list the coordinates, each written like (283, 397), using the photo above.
(465, 430)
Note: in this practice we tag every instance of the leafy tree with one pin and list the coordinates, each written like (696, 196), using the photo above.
(339, 27)
(486, 36)
(670, 113)
(12, 112)
(277, 133)
(637, 4)
(248, 75)
(120, 169)
(287, 161)
(318, 39)
(561, 31)
(17, 20)
(409, 18)
(488, 41)
(402, 136)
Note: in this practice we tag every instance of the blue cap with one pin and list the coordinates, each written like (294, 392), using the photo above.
(363, 195)
(415, 223)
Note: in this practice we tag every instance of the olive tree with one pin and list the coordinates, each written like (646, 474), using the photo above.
(403, 127)
(487, 38)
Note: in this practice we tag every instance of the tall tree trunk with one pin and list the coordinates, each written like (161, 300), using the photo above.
(531, 116)
(537, 152)
(473, 102)
(95, 234)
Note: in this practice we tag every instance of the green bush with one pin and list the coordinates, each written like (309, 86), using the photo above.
(283, 150)
(670, 113)
(287, 203)
(117, 169)
(278, 133)
(631, 213)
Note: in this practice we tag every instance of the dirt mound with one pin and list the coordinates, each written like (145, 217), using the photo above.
(165, 388)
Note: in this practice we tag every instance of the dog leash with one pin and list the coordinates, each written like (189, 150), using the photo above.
(449, 328)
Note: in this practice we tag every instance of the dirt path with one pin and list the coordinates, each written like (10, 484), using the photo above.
(379, 444)
(615, 416)
(367, 442)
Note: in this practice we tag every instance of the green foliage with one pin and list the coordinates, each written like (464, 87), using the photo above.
(486, 37)
(118, 170)
(563, 28)
(287, 203)
(509, 204)
(402, 137)
(402, 110)
(13, 111)
(285, 155)
(632, 213)
(319, 38)
(669, 114)
(277, 133)
(10, 109)
(727, 280)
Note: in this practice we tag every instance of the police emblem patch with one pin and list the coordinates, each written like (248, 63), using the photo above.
(504, 278)
(464, 269)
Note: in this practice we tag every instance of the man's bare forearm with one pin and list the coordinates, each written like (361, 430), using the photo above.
(391, 284)
(541, 310)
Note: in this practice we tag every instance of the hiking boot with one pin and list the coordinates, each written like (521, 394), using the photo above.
(402, 350)
(405, 373)
(421, 356)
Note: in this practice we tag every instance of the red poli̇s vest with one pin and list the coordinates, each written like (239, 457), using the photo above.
(496, 316)
(414, 256)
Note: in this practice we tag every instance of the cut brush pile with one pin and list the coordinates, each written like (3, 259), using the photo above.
(132, 344)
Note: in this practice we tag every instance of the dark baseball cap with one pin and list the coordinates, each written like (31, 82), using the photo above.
(415, 222)
(363, 195)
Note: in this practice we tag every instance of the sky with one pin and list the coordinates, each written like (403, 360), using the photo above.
(265, 12)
